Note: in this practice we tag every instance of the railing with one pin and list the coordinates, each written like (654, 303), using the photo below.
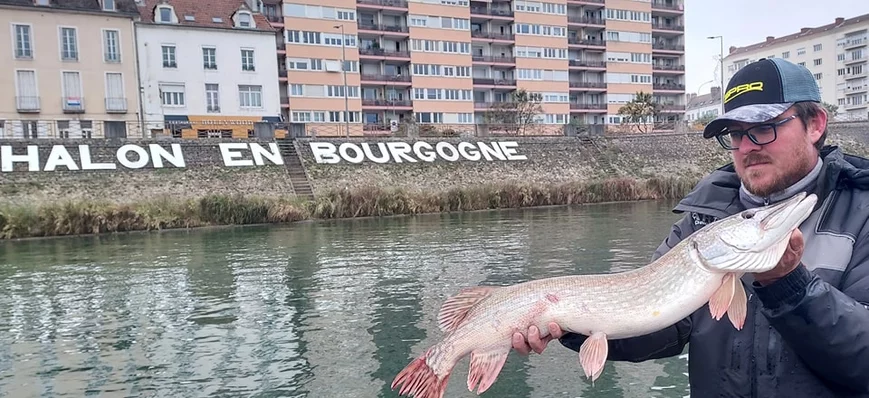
(671, 107)
(670, 47)
(492, 35)
(587, 85)
(491, 11)
(285, 100)
(118, 104)
(588, 1)
(486, 105)
(855, 42)
(661, 5)
(379, 52)
(668, 67)
(385, 78)
(72, 105)
(658, 25)
(282, 73)
(586, 63)
(575, 105)
(385, 102)
(382, 28)
(585, 20)
(586, 42)
(668, 86)
(386, 3)
(275, 18)
(27, 103)
(493, 58)
(494, 82)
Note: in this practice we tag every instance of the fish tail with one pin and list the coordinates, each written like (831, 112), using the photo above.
(419, 380)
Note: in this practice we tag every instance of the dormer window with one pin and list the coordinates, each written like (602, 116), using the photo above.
(109, 5)
(41, 2)
(244, 19)
(165, 14)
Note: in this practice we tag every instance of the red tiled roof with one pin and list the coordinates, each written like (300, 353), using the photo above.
(203, 12)
(805, 32)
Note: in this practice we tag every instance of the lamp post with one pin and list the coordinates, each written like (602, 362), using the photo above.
(721, 60)
(344, 73)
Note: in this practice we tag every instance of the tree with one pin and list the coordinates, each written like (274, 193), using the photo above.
(832, 110)
(516, 114)
(640, 111)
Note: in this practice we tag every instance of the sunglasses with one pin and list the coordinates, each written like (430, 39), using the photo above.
(760, 134)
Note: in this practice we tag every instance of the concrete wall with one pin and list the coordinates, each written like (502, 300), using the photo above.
(549, 160)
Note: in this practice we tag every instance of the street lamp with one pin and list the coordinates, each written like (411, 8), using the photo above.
(721, 60)
(344, 73)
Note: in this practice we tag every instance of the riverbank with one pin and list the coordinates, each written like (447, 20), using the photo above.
(97, 186)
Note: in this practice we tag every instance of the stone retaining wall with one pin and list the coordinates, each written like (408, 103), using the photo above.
(549, 160)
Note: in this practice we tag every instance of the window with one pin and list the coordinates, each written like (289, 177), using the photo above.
(111, 46)
(818, 61)
(817, 47)
(115, 100)
(109, 5)
(244, 20)
(72, 91)
(786, 54)
(28, 93)
(801, 51)
(247, 60)
(68, 44)
(819, 76)
(250, 96)
(23, 42)
(209, 58)
(172, 94)
(165, 14)
(297, 90)
(169, 56)
(212, 98)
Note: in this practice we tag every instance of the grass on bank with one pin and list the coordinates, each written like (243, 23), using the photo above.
(88, 217)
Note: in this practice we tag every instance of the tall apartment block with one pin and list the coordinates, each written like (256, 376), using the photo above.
(448, 61)
(836, 53)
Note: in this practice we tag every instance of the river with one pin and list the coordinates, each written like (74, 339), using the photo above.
(317, 309)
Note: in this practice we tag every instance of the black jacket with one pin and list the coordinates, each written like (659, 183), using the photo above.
(806, 335)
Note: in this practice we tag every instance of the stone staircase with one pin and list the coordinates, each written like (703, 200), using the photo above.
(298, 177)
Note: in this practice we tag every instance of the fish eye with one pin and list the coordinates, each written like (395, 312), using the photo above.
(748, 214)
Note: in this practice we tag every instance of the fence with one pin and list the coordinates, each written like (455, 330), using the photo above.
(71, 129)
(441, 130)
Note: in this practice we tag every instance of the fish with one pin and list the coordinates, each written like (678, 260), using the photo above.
(704, 268)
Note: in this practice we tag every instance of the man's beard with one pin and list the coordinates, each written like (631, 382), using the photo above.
(791, 175)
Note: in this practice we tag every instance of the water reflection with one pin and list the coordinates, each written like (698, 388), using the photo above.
(306, 310)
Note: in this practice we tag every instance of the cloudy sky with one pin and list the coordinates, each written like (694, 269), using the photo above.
(745, 22)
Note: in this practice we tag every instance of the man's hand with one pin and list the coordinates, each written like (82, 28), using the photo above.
(789, 261)
(534, 341)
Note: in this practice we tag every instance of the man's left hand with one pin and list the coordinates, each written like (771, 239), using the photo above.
(789, 261)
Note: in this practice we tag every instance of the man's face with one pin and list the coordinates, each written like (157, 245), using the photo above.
(769, 168)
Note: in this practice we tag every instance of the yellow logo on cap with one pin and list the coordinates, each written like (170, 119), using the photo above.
(741, 89)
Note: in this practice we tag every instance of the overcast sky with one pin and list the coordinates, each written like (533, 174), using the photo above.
(745, 22)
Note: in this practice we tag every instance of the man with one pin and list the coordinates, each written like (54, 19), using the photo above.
(807, 329)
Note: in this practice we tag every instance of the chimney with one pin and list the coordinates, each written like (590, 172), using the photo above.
(770, 38)
(732, 49)
(804, 30)
(715, 91)
(839, 20)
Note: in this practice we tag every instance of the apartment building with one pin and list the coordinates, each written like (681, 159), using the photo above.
(69, 69)
(835, 53)
(450, 61)
(703, 106)
(207, 71)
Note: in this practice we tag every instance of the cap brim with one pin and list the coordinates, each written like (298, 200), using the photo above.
(757, 113)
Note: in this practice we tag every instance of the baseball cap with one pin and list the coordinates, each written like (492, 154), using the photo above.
(762, 90)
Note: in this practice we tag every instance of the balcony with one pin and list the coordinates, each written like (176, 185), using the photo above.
(385, 78)
(587, 106)
(387, 103)
(493, 58)
(275, 19)
(597, 85)
(285, 101)
(504, 13)
(587, 64)
(485, 81)
(379, 52)
(586, 42)
(674, 28)
(662, 67)
(486, 105)
(72, 105)
(116, 105)
(855, 60)
(854, 43)
(585, 20)
(27, 104)
(479, 34)
(671, 107)
(668, 86)
(667, 5)
(668, 47)
(382, 28)
(586, 1)
(383, 3)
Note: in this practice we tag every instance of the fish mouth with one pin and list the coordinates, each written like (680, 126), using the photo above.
(787, 215)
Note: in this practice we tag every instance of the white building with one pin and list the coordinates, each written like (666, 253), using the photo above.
(702, 106)
(206, 71)
(835, 53)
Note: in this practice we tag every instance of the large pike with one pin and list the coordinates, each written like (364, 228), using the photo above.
(704, 268)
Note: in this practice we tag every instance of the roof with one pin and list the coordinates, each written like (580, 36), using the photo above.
(702, 101)
(802, 34)
(204, 13)
(125, 8)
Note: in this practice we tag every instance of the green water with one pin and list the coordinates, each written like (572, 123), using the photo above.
(331, 309)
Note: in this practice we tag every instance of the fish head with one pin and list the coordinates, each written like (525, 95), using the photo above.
(740, 237)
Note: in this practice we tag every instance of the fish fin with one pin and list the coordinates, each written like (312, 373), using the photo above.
(419, 380)
(592, 355)
(454, 310)
(484, 369)
(738, 308)
(721, 299)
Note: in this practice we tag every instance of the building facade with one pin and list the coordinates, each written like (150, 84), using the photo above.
(207, 72)
(702, 108)
(835, 53)
(450, 62)
(69, 69)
